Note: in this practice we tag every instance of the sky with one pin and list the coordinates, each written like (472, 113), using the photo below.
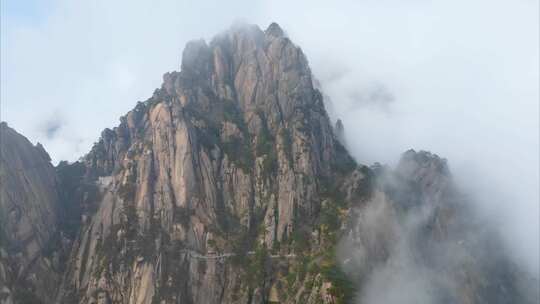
(459, 78)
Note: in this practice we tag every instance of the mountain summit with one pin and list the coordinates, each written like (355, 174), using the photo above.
(232, 157)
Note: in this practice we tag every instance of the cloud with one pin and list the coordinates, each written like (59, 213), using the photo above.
(425, 244)
(465, 84)
(51, 126)
(94, 60)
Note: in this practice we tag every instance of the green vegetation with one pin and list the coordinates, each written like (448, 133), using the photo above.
(129, 222)
(343, 289)
(270, 164)
(368, 184)
(318, 258)
(265, 142)
(126, 241)
(172, 273)
(330, 217)
(237, 148)
(241, 243)
(300, 240)
(344, 164)
(128, 189)
(3, 234)
(76, 195)
(238, 153)
(108, 251)
(258, 267)
(72, 295)
(265, 147)
(232, 113)
(156, 98)
(24, 295)
(208, 137)
(182, 215)
(330, 190)
(208, 131)
(287, 145)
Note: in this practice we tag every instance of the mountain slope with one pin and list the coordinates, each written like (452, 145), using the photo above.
(232, 155)
(418, 240)
(28, 220)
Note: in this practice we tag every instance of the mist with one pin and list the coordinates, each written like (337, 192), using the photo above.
(458, 78)
(393, 268)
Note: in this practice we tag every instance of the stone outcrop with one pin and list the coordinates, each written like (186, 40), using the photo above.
(232, 154)
(340, 132)
(28, 220)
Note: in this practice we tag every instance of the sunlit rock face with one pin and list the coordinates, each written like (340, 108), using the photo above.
(233, 154)
(28, 220)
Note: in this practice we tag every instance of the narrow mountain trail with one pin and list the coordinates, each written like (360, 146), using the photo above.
(213, 256)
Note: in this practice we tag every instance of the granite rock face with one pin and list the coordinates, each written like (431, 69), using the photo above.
(231, 157)
(28, 220)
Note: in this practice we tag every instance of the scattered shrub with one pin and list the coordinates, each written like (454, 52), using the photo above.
(287, 145)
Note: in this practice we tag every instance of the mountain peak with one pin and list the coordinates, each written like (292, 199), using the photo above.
(249, 66)
(425, 168)
(412, 160)
(196, 57)
(274, 30)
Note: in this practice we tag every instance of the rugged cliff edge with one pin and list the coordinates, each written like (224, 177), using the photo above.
(229, 185)
(28, 220)
(228, 162)
(418, 240)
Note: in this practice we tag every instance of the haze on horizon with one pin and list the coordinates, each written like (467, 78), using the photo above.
(458, 78)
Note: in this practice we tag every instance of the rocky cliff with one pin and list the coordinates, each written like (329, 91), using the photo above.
(28, 220)
(229, 185)
(418, 240)
(228, 162)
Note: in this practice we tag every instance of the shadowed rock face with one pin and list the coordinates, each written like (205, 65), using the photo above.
(418, 240)
(229, 185)
(28, 218)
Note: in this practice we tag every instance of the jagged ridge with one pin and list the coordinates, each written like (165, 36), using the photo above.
(233, 153)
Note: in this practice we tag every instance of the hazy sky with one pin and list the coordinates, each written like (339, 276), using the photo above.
(457, 77)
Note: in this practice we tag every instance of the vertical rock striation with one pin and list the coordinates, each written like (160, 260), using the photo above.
(232, 154)
(28, 221)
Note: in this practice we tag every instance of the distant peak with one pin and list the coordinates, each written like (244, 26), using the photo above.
(274, 30)
(422, 162)
(420, 156)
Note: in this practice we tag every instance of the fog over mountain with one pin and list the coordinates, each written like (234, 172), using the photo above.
(458, 78)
